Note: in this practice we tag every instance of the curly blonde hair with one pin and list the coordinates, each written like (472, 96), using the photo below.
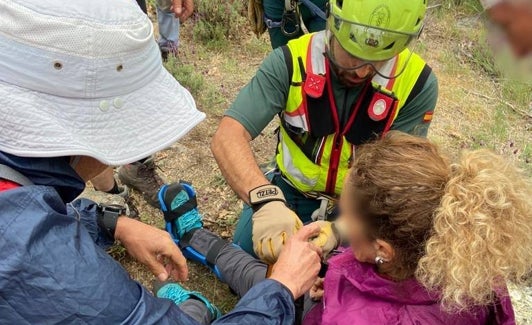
(461, 229)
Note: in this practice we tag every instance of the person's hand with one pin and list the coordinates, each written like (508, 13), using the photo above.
(329, 237)
(299, 262)
(182, 9)
(152, 247)
(316, 292)
(273, 222)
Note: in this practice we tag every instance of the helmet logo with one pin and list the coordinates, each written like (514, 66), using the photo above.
(380, 17)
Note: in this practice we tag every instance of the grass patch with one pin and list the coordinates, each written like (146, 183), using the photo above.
(186, 75)
(218, 22)
(464, 6)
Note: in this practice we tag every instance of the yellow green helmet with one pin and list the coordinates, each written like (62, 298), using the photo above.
(376, 30)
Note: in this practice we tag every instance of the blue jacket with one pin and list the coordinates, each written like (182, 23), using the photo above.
(52, 270)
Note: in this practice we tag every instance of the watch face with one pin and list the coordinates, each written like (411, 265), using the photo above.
(114, 208)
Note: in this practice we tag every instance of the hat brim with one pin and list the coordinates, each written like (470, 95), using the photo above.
(115, 131)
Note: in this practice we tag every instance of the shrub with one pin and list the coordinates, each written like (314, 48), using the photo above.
(219, 21)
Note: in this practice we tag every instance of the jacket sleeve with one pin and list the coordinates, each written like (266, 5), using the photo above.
(267, 303)
(52, 272)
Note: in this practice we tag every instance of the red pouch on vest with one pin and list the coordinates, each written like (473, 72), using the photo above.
(379, 106)
(314, 85)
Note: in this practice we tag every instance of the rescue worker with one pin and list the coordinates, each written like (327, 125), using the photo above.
(288, 19)
(68, 71)
(333, 90)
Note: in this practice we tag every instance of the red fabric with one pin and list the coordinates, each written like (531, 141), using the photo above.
(7, 185)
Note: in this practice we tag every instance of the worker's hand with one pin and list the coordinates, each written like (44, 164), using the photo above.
(329, 237)
(273, 222)
(316, 292)
(182, 9)
(299, 262)
(152, 247)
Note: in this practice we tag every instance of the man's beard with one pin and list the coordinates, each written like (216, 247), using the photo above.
(350, 80)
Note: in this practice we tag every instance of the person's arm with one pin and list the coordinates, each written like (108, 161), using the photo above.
(232, 151)
(416, 116)
(152, 247)
(58, 274)
(183, 9)
(255, 106)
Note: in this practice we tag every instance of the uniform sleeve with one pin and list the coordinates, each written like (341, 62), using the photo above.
(267, 303)
(264, 96)
(415, 117)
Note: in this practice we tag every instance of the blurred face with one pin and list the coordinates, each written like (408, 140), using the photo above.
(364, 248)
(351, 71)
(515, 19)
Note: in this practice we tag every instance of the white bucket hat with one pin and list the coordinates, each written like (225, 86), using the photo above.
(85, 77)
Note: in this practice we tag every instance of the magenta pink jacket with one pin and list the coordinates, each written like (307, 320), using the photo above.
(356, 294)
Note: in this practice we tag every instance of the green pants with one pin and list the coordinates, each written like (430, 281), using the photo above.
(303, 206)
(273, 9)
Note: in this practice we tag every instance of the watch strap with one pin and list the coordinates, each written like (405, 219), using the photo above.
(108, 217)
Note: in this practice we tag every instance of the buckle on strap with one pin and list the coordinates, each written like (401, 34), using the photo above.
(327, 205)
(271, 23)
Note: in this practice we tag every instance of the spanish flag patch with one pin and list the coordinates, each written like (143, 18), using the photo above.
(428, 117)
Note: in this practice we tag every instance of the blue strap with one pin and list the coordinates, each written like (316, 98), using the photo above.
(271, 23)
(315, 10)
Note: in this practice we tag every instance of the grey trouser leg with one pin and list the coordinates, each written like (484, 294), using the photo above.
(197, 310)
(237, 268)
(240, 270)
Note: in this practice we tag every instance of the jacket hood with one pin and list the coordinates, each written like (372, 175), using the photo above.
(55, 172)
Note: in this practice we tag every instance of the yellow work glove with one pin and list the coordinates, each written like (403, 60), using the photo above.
(273, 222)
(329, 237)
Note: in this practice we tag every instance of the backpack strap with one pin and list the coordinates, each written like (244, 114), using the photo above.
(14, 176)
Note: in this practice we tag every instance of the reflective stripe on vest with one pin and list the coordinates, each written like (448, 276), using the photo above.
(314, 153)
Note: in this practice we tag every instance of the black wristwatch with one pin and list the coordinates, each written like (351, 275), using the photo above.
(108, 215)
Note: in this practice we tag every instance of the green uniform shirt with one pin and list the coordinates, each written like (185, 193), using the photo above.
(266, 94)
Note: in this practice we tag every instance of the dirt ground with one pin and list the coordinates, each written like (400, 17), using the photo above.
(464, 119)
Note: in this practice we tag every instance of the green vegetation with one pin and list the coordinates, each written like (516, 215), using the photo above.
(186, 74)
(218, 22)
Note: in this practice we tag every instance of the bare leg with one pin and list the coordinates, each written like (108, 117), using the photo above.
(105, 181)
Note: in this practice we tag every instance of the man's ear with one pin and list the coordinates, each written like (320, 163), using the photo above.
(384, 250)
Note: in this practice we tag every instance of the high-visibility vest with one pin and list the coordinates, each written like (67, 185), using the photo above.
(315, 151)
